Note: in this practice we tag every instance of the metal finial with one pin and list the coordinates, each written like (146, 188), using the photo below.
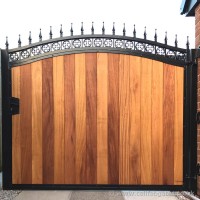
(50, 33)
(176, 41)
(166, 37)
(29, 38)
(113, 29)
(155, 36)
(61, 31)
(188, 43)
(71, 30)
(92, 29)
(124, 30)
(82, 30)
(145, 33)
(40, 36)
(7, 44)
(19, 41)
(134, 31)
(103, 29)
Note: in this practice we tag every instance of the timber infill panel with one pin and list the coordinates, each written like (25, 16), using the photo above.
(98, 118)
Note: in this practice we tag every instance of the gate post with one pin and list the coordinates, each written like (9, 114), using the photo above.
(6, 120)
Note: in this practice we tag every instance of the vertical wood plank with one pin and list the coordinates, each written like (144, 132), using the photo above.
(91, 117)
(168, 125)
(178, 126)
(36, 69)
(135, 123)
(146, 71)
(157, 123)
(16, 133)
(80, 102)
(124, 119)
(26, 123)
(113, 118)
(59, 137)
(47, 121)
(102, 118)
(70, 132)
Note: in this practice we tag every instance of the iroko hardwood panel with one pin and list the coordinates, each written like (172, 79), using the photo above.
(146, 99)
(102, 118)
(26, 123)
(80, 103)
(59, 127)
(91, 117)
(168, 124)
(98, 118)
(135, 120)
(178, 126)
(124, 71)
(157, 123)
(16, 131)
(36, 70)
(47, 121)
(70, 136)
(113, 119)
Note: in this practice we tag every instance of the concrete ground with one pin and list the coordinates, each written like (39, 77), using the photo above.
(88, 195)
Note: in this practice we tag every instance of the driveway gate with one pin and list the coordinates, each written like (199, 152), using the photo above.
(99, 112)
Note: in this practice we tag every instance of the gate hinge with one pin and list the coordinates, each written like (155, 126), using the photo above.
(14, 105)
(198, 117)
(198, 169)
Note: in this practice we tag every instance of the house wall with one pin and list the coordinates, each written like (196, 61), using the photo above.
(197, 44)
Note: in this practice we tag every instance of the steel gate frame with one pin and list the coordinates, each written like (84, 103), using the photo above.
(161, 52)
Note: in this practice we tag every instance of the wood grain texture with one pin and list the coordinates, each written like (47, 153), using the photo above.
(113, 119)
(146, 71)
(16, 132)
(157, 123)
(36, 70)
(91, 117)
(59, 128)
(80, 102)
(26, 123)
(102, 118)
(47, 121)
(135, 121)
(168, 125)
(70, 131)
(124, 72)
(178, 126)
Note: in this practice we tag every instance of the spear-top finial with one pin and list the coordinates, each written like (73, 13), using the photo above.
(82, 30)
(145, 33)
(40, 35)
(155, 36)
(50, 33)
(134, 31)
(188, 43)
(92, 29)
(7, 44)
(176, 41)
(71, 30)
(124, 30)
(113, 29)
(166, 38)
(19, 41)
(61, 31)
(29, 38)
(103, 29)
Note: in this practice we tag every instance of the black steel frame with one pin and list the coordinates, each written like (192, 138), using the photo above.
(168, 54)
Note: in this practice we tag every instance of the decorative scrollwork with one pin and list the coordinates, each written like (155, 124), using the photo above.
(76, 43)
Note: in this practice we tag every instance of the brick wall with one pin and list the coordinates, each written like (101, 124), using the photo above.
(197, 44)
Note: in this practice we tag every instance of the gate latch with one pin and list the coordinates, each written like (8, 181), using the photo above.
(198, 169)
(14, 105)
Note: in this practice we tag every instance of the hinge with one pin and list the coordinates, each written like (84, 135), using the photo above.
(198, 117)
(198, 169)
(14, 105)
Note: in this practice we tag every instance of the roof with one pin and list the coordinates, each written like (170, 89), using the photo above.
(188, 7)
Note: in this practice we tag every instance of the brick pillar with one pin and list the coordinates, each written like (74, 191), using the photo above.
(197, 44)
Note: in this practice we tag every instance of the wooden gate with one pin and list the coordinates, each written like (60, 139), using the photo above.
(99, 116)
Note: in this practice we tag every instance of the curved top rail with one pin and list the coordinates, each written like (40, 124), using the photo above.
(98, 43)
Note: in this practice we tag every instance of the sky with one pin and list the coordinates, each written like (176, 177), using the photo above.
(20, 17)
